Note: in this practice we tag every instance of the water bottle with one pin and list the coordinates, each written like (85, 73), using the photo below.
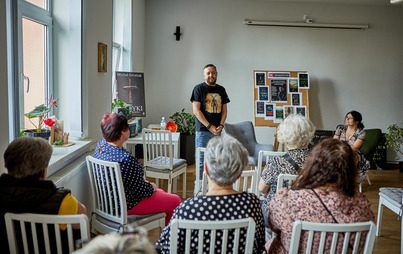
(163, 123)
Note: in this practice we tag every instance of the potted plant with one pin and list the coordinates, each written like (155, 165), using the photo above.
(41, 113)
(394, 140)
(186, 125)
(121, 107)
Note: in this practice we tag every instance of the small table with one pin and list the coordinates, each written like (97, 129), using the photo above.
(139, 140)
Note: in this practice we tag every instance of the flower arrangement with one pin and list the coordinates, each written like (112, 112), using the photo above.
(41, 112)
(171, 126)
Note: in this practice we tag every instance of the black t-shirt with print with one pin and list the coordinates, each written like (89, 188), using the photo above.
(212, 99)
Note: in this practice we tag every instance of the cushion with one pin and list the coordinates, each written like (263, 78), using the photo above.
(394, 194)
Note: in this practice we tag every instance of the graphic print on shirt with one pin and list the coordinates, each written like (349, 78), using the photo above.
(213, 103)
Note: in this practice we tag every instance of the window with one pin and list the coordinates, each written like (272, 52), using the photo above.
(44, 60)
(122, 39)
(31, 24)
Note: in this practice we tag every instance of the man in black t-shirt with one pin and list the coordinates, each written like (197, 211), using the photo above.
(210, 108)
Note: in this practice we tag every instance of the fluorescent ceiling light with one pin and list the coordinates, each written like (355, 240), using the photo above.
(304, 24)
(396, 1)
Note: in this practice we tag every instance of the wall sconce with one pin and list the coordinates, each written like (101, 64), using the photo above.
(178, 33)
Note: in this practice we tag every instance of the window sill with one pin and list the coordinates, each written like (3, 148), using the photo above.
(63, 156)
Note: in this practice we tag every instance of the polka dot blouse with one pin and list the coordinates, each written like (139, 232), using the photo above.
(217, 208)
(131, 169)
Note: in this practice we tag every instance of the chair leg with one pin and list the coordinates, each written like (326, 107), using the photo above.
(170, 184)
(175, 183)
(379, 219)
(369, 181)
(184, 185)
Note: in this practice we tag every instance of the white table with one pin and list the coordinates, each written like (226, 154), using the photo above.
(139, 140)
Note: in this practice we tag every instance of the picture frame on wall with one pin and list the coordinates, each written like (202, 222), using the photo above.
(102, 56)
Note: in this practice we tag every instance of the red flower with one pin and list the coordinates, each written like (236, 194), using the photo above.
(171, 126)
(49, 122)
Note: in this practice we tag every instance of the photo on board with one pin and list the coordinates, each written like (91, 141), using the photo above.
(279, 90)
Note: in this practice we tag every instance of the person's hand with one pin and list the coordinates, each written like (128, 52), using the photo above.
(219, 128)
(214, 130)
(154, 186)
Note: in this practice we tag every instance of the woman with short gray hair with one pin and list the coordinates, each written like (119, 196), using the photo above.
(225, 158)
(296, 131)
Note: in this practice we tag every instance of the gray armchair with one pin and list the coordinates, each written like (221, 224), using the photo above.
(244, 132)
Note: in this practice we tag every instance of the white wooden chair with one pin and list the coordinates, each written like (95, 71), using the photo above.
(159, 161)
(197, 230)
(335, 231)
(109, 200)
(392, 198)
(285, 180)
(199, 181)
(248, 179)
(42, 233)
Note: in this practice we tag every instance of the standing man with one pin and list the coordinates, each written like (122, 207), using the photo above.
(210, 108)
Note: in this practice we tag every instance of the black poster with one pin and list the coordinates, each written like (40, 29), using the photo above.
(130, 89)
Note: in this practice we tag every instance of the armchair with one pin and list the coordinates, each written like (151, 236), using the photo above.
(244, 132)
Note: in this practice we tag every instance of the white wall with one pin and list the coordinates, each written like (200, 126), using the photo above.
(97, 91)
(348, 69)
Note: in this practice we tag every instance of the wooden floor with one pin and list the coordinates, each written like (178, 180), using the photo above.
(387, 243)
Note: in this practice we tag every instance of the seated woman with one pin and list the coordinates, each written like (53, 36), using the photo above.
(142, 197)
(324, 192)
(225, 159)
(296, 132)
(353, 132)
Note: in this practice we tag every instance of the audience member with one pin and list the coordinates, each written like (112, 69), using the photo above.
(324, 192)
(225, 159)
(24, 189)
(142, 197)
(353, 132)
(296, 131)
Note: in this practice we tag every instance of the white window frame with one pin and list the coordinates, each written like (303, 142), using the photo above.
(16, 11)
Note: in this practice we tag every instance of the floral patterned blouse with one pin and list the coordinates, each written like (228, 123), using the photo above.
(363, 164)
(287, 206)
(277, 165)
(216, 208)
(131, 169)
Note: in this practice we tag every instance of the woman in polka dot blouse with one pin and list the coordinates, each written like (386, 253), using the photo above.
(225, 158)
(142, 197)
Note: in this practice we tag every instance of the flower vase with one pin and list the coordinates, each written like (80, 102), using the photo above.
(45, 133)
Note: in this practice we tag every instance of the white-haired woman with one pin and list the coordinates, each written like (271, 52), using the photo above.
(296, 131)
(225, 158)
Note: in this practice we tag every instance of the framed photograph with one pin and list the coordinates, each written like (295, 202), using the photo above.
(102, 54)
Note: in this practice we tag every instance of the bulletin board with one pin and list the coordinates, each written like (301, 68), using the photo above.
(278, 94)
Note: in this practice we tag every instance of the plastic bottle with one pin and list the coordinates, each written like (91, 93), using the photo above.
(163, 123)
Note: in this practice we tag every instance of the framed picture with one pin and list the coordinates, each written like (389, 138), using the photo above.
(102, 54)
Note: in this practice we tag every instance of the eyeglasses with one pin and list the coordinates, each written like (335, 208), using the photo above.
(350, 118)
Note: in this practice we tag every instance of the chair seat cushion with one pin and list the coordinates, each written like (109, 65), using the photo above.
(251, 161)
(164, 161)
(394, 195)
